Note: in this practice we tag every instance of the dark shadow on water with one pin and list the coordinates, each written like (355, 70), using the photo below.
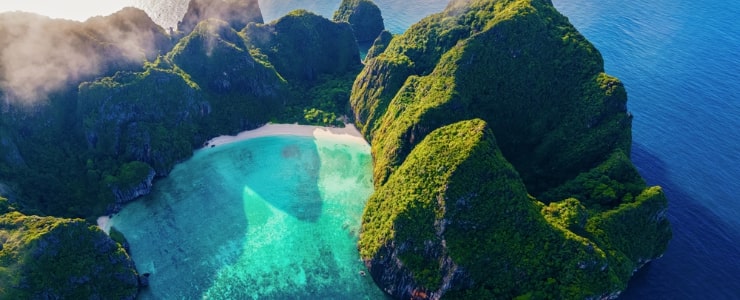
(193, 226)
(703, 258)
(291, 184)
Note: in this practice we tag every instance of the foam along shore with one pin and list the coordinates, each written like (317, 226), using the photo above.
(348, 134)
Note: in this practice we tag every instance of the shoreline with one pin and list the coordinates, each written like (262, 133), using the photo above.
(347, 134)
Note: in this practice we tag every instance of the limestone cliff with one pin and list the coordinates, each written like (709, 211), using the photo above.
(379, 44)
(364, 16)
(562, 129)
(42, 56)
(237, 13)
(304, 46)
(133, 181)
(53, 258)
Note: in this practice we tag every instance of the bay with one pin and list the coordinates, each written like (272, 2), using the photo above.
(266, 218)
(680, 62)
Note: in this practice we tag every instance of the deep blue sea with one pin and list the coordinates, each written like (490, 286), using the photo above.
(680, 62)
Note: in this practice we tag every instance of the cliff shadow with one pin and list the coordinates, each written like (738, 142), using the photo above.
(187, 229)
(285, 175)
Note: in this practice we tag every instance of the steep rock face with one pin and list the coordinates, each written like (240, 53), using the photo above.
(243, 88)
(562, 130)
(364, 16)
(130, 26)
(42, 63)
(455, 220)
(52, 258)
(134, 180)
(303, 46)
(379, 44)
(216, 56)
(520, 66)
(121, 122)
(238, 13)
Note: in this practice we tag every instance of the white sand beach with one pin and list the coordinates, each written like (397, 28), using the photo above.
(347, 134)
(104, 224)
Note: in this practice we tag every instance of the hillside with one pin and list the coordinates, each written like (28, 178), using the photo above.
(99, 138)
(54, 258)
(562, 129)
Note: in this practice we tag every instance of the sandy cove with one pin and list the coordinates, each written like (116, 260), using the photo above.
(348, 134)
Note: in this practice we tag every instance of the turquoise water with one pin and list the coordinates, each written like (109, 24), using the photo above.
(267, 218)
(680, 62)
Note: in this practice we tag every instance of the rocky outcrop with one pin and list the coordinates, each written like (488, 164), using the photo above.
(53, 258)
(364, 16)
(217, 58)
(237, 13)
(379, 45)
(304, 46)
(550, 208)
(62, 53)
(121, 120)
(134, 180)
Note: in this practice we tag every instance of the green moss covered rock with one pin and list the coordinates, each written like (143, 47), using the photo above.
(520, 66)
(553, 208)
(53, 258)
(379, 44)
(214, 55)
(455, 220)
(364, 16)
(302, 46)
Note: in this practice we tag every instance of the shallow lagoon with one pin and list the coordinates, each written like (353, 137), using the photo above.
(269, 217)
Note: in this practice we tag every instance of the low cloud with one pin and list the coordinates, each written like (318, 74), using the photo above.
(238, 13)
(39, 55)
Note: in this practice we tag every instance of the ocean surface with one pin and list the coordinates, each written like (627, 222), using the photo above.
(680, 62)
(267, 218)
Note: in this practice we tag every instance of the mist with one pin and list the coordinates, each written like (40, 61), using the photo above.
(40, 55)
(238, 13)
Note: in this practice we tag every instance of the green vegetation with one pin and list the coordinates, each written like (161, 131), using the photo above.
(92, 146)
(554, 117)
(453, 216)
(456, 203)
(303, 46)
(364, 16)
(379, 44)
(51, 258)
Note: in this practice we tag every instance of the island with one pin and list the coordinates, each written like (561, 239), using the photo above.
(500, 146)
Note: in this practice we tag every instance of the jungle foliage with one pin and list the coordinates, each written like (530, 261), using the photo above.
(550, 208)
